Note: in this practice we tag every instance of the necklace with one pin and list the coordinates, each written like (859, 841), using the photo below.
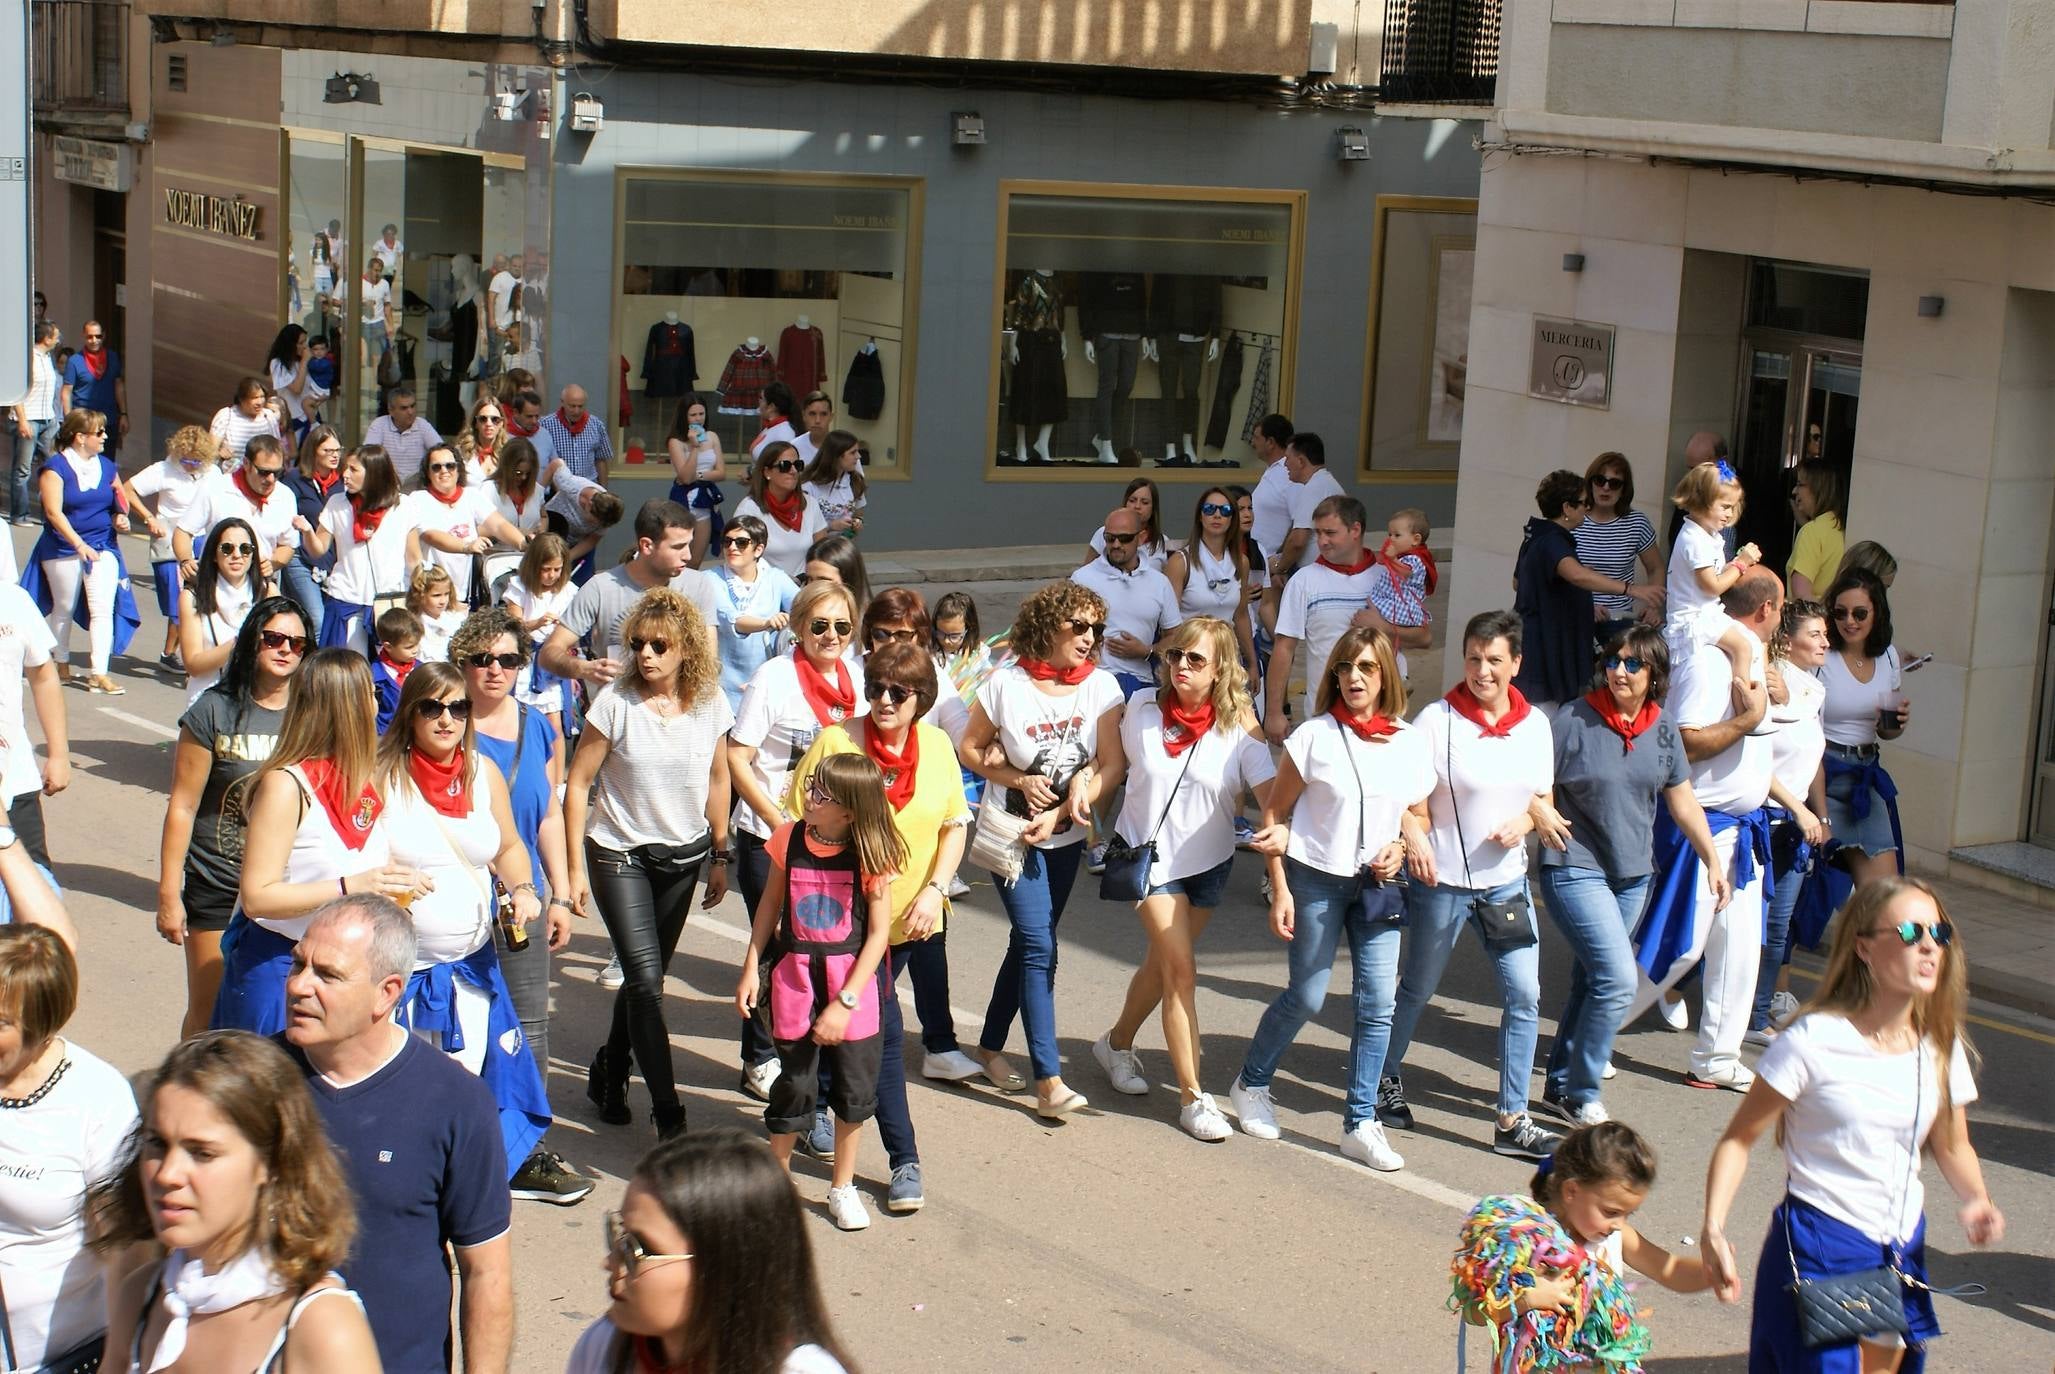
(17, 1103)
(815, 833)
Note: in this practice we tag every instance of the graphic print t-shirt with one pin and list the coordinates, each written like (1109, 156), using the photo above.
(1052, 736)
(239, 748)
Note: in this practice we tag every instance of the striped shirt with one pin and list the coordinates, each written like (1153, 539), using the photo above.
(41, 403)
(234, 430)
(584, 451)
(1612, 549)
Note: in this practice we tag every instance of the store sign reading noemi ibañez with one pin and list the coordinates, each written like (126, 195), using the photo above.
(228, 216)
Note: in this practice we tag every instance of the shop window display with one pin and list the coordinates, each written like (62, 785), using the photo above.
(730, 282)
(1142, 326)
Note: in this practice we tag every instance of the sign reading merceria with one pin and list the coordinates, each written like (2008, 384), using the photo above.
(229, 216)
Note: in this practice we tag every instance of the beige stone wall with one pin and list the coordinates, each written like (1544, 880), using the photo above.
(1953, 470)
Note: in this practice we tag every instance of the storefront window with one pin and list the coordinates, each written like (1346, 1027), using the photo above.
(1142, 327)
(729, 281)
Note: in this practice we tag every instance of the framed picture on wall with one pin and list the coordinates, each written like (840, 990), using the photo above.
(1417, 359)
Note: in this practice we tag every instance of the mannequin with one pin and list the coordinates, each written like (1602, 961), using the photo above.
(670, 317)
(1037, 349)
(752, 343)
(749, 370)
(466, 329)
(1184, 322)
(803, 357)
(670, 367)
(1111, 315)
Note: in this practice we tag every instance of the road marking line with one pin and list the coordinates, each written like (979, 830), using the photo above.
(130, 718)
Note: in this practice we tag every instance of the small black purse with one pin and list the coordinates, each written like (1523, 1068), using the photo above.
(1506, 925)
(1126, 878)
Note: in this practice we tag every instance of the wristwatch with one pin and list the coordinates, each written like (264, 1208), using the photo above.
(563, 902)
(847, 998)
(720, 858)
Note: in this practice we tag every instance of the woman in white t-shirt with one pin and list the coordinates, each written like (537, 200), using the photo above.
(302, 395)
(709, 1256)
(789, 700)
(790, 515)
(834, 479)
(1056, 716)
(1799, 828)
(186, 476)
(1865, 705)
(645, 808)
(211, 611)
(1211, 573)
(1874, 1071)
(68, 1118)
(450, 522)
(369, 528)
(1192, 747)
(1348, 800)
(696, 468)
(1494, 760)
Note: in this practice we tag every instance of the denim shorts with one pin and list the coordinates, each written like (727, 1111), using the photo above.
(1200, 889)
(1871, 834)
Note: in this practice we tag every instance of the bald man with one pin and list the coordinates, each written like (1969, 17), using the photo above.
(580, 436)
(1141, 605)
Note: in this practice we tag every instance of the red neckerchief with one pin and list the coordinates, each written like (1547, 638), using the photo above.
(1464, 703)
(1375, 727)
(442, 785)
(1426, 562)
(399, 671)
(483, 455)
(789, 511)
(1360, 564)
(830, 703)
(649, 1359)
(323, 483)
(898, 766)
(363, 523)
(1433, 572)
(578, 428)
(1182, 728)
(456, 495)
(514, 427)
(1602, 702)
(96, 363)
(242, 484)
(351, 819)
(1042, 670)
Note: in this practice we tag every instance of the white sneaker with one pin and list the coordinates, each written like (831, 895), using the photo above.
(611, 976)
(1760, 1037)
(1252, 1107)
(1675, 1014)
(1592, 1113)
(1783, 1006)
(757, 1079)
(950, 1066)
(1123, 1067)
(1610, 1072)
(1737, 1078)
(1202, 1120)
(845, 1205)
(1366, 1145)
(958, 887)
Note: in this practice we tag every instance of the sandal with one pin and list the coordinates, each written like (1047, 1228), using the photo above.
(1061, 1107)
(1001, 1077)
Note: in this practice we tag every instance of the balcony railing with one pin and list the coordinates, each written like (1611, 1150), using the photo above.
(1440, 52)
(81, 55)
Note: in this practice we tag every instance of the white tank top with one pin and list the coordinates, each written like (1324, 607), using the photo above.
(319, 855)
(1211, 586)
(452, 921)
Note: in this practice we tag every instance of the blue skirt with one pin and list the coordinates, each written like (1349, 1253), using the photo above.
(1827, 1246)
(255, 962)
(165, 575)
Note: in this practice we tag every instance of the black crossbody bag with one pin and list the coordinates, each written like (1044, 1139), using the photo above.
(1504, 926)
(1382, 900)
(1126, 878)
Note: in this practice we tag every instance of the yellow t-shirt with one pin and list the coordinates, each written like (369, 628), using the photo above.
(937, 803)
(1816, 555)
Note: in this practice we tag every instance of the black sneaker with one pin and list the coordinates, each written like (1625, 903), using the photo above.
(1525, 1139)
(606, 1092)
(819, 1143)
(1392, 1110)
(546, 1178)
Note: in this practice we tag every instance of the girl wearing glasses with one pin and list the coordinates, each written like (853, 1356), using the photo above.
(792, 518)
(1192, 749)
(754, 605)
(1866, 705)
(646, 807)
(448, 818)
(1211, 573)
(1873, 1073)
(1616, 756)
(224, 737)
(186, 475)
(791, 699)
(708, 1265)
(77, 559)
(1614, 542)
(211, 610)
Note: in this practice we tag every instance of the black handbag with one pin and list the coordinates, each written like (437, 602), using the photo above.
(1504, 926)
(1126, 878)
(1382, 900)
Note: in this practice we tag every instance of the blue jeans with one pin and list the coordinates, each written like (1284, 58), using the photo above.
(1435, 916)
(1327, 906)
(1026, 982)
(929, 961)
(1776, 940)
(1597, 915)
(752, 871)
(28, 452)
(895, 1121)
(297, 581)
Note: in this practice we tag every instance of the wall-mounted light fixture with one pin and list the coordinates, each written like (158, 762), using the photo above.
(966, 128)
(588, 113)
(1573, 262)
(1351, 144)
(351, 88)
(1930, 307)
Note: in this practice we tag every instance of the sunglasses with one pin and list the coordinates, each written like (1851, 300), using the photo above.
(1214, 508)
(428, 708)
(891, 693)
(821, 627)
(490, 420)
(94, 338)
(817, 794)
(1363, 667)
(786, 465)
(1608, 482)
(1086, 627)
(738, 541)
(442, 467)
(659, 647)
(1854, 614)
(237, 550)
(625, 1246)
(1625, 662)
(268, 474)
(279, 639)
(1909, 932)
(506, 661)
(1113, 538)
(1181, 658)
(883, 635)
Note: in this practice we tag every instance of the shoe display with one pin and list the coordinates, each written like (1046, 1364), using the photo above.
(1392, 1110)
(1202, 1120)
(757, 1079)
(1525, 1139)
(905, 1194)
(819, 1143)
(1253, 1108)
(845, 1205)
(611, 976)
(949, 1066)
(1366, 1145)
(1123, 1067)
(607, 1091)
(1735, 1078)
(547, 1178)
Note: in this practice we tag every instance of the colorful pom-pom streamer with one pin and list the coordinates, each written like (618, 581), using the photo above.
(1507, 1245)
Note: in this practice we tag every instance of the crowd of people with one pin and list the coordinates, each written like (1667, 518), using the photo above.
(425, 735)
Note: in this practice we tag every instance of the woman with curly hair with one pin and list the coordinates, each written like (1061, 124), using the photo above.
(1056, 715)
(187, 474)
(646, 807)
(232, 1173)
(1193, 748)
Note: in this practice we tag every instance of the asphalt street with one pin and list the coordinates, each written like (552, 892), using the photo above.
(1111, 1241)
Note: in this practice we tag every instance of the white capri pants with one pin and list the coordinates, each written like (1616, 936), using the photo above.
(62, 575)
